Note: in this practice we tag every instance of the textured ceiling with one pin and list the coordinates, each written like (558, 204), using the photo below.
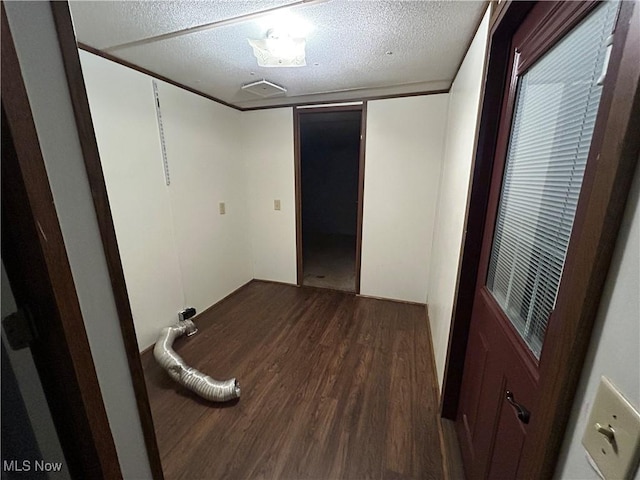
(346, 51)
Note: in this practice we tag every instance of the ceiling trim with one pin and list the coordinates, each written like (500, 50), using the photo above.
(350, 100)
(125, 63)
(113, 58)
(211, 25)
(329, 105)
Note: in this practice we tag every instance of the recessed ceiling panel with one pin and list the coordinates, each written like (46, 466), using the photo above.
(356, 49)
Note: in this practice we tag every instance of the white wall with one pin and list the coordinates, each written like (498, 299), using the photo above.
(34, 34)
(176, 249)
(464, 100)
(124, 118)
(615, 344)
(205, 164)
(267, 146)
(404, 146)
(403, 154)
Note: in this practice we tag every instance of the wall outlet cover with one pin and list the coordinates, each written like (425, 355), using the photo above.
(612, 435)
(222, 208)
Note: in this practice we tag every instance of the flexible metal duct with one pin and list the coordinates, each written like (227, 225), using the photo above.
(198, 382)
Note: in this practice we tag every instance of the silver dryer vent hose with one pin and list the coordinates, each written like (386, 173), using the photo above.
(197, 382)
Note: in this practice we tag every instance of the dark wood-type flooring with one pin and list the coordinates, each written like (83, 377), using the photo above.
(333, 386)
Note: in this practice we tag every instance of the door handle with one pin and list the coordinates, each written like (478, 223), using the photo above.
(523, 413)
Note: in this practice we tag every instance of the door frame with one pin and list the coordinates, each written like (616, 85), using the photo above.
(40, 275)
(612, 162)
(297, 158)
(89, 146)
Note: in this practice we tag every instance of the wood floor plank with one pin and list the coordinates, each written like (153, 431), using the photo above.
(333, 386)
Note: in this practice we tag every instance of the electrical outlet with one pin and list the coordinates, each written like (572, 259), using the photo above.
(223, 210)
(276, 204)
(612, 436)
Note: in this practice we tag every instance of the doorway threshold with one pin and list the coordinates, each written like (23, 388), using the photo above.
(329, 262)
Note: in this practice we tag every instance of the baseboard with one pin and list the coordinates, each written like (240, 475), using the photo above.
(226, 297)
(406, 302)
(147, 350)
(451, 456)
(327, 289)
(274, 281)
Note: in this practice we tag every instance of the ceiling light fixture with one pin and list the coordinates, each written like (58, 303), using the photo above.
(279, 49)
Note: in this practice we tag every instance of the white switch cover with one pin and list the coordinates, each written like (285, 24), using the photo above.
(612, 436)
(276, 204)
(223, 209)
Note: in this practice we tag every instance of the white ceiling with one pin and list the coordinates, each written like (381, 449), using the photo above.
(346, 52)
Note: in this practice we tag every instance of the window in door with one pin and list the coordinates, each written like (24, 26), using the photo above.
(555, 111)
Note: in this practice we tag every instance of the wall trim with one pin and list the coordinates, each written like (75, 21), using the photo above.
(319, 103)
(38, 269)
(479, 114)
(497, 56)
(272, 281)
(95, 176)
(395, 300)
(297, 180)
(133, 66)
(297, 160)
(360, 219)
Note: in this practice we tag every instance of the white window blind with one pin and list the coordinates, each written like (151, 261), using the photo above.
(556, 105)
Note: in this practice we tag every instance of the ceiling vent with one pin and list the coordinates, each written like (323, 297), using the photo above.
(264, 88)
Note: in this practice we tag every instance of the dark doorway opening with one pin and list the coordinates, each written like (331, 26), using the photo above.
(330, 148)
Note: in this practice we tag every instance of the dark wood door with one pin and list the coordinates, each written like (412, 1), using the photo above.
(558, 57)
(487, 423)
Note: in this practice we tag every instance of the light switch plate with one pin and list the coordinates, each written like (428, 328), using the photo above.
(276, 204)
(222, 208)
(618, 457)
